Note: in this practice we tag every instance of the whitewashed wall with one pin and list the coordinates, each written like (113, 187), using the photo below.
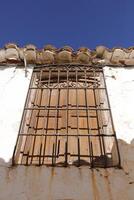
(72, 183)
(13, 90)
(120, 85)
(46, 183)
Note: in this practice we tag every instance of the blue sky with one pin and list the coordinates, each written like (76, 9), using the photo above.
(71, 22)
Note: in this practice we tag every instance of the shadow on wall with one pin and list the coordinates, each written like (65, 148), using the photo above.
(126, 155)
(3, 163)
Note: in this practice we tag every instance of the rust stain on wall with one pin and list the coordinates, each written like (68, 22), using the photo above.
(106, 176)
(95, 189)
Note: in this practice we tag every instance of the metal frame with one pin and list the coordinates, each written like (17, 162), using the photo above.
(49, 98)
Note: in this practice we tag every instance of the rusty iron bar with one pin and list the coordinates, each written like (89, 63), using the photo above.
(70, 135)
(66, 154)
(27, 158)
(58, 149)
(92, 156)
(47, 118)
(77, 117)
(73, 88)
(87, 117)
(37, 121)
(62, 155)
(40, 155)
(65, 108)
(79, 155)
(30, 118)
(67, 118)
(111, 118)
(97, 117)
(22, 119)
(56, 116)
(53, 160)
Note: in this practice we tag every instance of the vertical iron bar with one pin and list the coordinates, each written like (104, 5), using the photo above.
(87, 115)
(22, 119)
(111, 118)
(66, 154)
(92, 156)
(40, 100)
(100, 117)
(27, 158)
(57, 115)
(67, 104)
(96, 106)
(53, 155)
(77, 112)
(30, 120)
(58, 150)
(31, 113)
(46, 119)
(40, 155)
(78, 151)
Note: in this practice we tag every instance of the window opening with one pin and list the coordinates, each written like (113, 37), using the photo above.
(67, 119)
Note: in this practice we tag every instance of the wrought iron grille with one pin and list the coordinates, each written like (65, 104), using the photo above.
(67, 119)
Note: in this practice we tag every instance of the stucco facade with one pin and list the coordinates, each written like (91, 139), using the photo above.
(69, 183)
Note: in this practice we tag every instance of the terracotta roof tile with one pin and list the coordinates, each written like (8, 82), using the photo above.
(49, 54)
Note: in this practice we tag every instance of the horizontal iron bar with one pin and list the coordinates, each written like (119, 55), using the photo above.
(53, 116)
(69, 135)
(75, 128)
(64, 88)
(90, 67)
(60, 155)
(71, 105)
(56, 108)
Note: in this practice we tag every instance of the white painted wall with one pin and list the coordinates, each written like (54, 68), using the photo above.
(72, 183)
(46, 183)
(120, 85)
(13, 90)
